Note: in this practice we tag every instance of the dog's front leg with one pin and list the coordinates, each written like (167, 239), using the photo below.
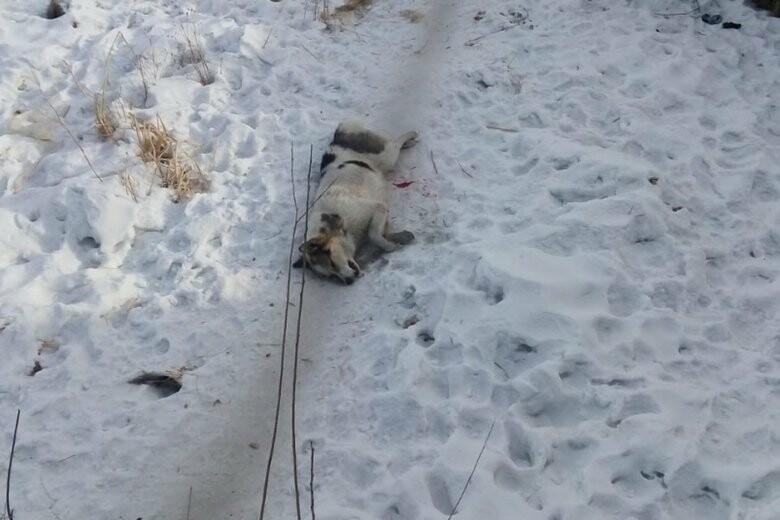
(378, 231)
(378, 226)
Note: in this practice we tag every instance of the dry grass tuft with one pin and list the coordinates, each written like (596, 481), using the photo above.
(338, 15)
(130, 184)
(194, 54)
(177, 171)
(105, 120)
(412, 16)
(353, 5)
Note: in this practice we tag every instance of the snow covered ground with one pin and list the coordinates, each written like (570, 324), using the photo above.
(595, 200)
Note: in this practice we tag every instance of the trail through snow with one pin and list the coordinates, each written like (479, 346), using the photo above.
(595, 201)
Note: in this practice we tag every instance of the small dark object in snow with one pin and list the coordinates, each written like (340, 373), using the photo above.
(653, 180)
(35, 368)
(425, 338)
(403, 184)
(164, 384)
(411, 320)
(54, 10)
(731, 25)
(712, 19)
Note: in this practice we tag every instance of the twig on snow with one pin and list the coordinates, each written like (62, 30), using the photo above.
(464, 169)
(433, 161)
(8, 509)
(311, 54)
(474, 469)
(189, 504)
(297, 345)
(474, 41)
(311, 481)
(270, 32)
(283, 348)
(492, 126)
(83, 152)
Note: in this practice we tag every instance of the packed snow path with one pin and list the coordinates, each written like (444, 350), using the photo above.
(595, 200)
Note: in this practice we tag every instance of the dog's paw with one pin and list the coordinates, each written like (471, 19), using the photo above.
(409, 139)
(401, 238)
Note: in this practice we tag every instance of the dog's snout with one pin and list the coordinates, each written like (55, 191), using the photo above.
(349, 281)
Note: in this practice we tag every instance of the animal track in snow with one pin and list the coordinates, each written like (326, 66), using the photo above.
(634, 405)
(624, 298)
(487, 282)
(520, 446)
(514, 355)
(439, 493)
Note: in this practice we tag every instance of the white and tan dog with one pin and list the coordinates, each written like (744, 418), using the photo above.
(351, 201)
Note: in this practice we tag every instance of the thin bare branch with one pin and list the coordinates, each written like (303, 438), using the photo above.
(8, 510)
(83, 152)
(297, 344)
(492, 126)
(311, 481)
(464, 169)
(473, 470)
(283, 349)
(474, 41)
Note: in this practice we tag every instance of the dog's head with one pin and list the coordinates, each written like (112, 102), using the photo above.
(327, 252)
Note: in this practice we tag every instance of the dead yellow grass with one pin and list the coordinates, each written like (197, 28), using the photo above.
(130, 184)
(412, 16)
(177, 170)
(105, 120)
(197, 57)
(340, 13)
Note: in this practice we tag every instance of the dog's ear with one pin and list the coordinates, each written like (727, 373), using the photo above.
(298, 264)
(332, 221)
(313, 245)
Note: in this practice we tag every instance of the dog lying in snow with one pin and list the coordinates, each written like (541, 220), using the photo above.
(351, 201)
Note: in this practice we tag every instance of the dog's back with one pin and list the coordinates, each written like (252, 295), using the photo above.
(352, 141)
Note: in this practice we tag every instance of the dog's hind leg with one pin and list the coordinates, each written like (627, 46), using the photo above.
(389, 156)
(408, 139)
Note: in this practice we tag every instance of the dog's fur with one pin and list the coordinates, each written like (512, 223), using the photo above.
(351, 201)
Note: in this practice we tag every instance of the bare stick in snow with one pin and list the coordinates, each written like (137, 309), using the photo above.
(297, 342)
(84, 153)
(189, 504)
(474, 41)
(311, 481)
(8, 509)
(433, 161)
(493, 126)
(474, 469)
(284, 345)
(464, 170)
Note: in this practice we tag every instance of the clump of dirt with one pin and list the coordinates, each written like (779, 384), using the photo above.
(54, 10)
(165, 384)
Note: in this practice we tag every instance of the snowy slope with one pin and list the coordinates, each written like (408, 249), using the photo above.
(595, 203)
